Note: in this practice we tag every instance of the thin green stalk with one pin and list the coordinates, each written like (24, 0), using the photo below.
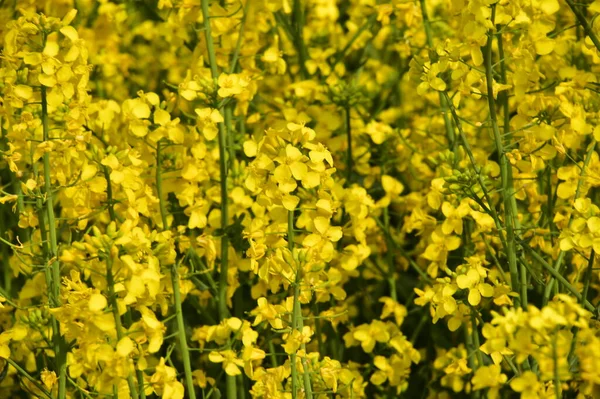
(556, 375)
(470, 348)
(560, 278)
(318, 330)
(228, 116)
(583, 21)
(476, 338)
(338, 57)
(588, 276)
(231, 385)
(486, 194)
(112, 297)
(561, 255)
(390, 256)
(511, 220)
(349, 157)
(210, 47)
(139, 374)
(273, 354)
(402, 252)
(503, 95)
(297, 323)
(52, 258)
(7, 269)
(584, 294)
(298, 27)
(444, 101)
(20, 205)
(183, 347)
(238, 44)
(109, 195)
(25, 374)
(159, 190)
(295, 308)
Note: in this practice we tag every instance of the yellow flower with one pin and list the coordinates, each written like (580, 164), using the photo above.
(528, 385)
(231, 85)
(489, 377)
(495, 344)
(473, 281)
(431, 78)
(391, 307)
(231, 363)
(208, 118)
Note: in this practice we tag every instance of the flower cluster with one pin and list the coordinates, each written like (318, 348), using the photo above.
(299, 199)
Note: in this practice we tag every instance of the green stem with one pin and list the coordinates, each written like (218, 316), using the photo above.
(560, 278)
(273, 353)
(238, 44)
(444, 101)
(349, 157)
(298, 27)
(20, 205)
(470, 350)
(183, 347)
(556, 375)
(25, 374)
(295, 308)
(139, 374)
(486, 194)
(297, 323)
(318, 329)
(511, 220)
(561, 254)
(390, 256)
(231, 384)
(476, 339)
(583, 21)
(159, 189)
(584, 294)
(52, 257)
(112, 297)
(5, 257)
(109, 195)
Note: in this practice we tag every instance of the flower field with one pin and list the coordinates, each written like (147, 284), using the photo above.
(299, 199)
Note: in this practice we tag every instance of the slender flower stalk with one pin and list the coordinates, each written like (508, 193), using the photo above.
(561, 255)
(511, 220)
(181, 335)
(297, 322)
(112, 297)
(444, 101)
(349, 156)
(224, 134)
(60, 345)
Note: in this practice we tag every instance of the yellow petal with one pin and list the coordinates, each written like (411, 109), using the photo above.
(210, 132)
(474, 297)
(232, 370)
(290, 202)
(125, 347)
(24, 92)
(161, 117)
(299, 170)
(69, 32)
(97, 303)
(140, 109)
(250, 148)
(47, 80)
